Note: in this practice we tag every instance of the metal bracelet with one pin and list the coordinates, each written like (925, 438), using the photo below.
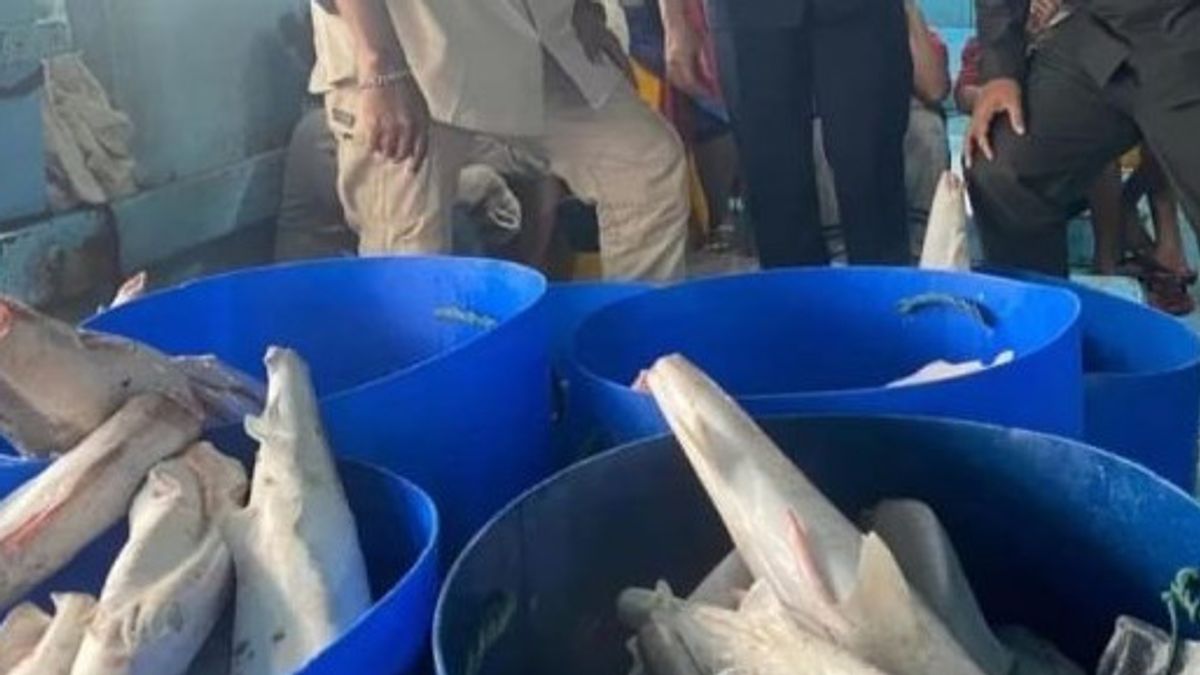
(384, 79)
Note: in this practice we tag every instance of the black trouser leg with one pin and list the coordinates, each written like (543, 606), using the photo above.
(1173, 134)
(863, 73)
(1023, 198)
(772, 102)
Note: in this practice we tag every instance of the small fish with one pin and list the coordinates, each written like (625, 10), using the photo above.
(55, 652)
(49, 519)
(20, 634)
(725, 584)
(946, 244)
(171, 580)
(661, 651)
(835, 583)
(635, 606)
(58, 384)
(301, 577)
(760, 638)
(756, 488)
(892, 627)
(656, 644)
(657, 647)
(923, 550)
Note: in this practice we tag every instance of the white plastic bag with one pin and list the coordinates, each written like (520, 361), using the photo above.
(947, 370)
(947, 246)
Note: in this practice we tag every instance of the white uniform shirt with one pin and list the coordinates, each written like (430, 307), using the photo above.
(479, 62)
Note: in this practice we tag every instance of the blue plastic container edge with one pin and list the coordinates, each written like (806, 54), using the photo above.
(429, 510)
(465, 554)
(426, 562)
(477, 262)
(428, 554)
(1075, 287)
(593, 377)
(633, 286)
(565, 330)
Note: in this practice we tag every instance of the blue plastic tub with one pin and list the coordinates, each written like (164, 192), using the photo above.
(1053, 534)
(566, 306)
(436, 368)
(1142, 382)
(828, 340)
(569, 304)
(398, 530)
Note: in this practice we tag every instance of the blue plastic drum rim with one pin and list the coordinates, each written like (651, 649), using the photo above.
(1142, 492)
(1066, 305)
(568, 305)
(409, 600)
(1184, 357)
(1142, 380)
(435, 367)
(414, 593)
(533, 282)
(572, 302)
(530, 292)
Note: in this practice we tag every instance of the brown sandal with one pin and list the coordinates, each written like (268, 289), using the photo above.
(1168, 292)
(1142, 264)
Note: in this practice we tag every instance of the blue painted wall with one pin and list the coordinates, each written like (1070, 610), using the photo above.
(21, 186)
(213, 93)
(17, 11)
(207, 83)
(949, 13)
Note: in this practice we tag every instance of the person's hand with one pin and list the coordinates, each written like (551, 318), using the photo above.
(1041, 12)
(997, 97)
(913, 13)
(598, 41)
(687, 64)
(394, 121)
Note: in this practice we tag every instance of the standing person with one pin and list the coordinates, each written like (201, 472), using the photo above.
(781, 63)
(412, 87)
(700, 118)
(1113, 73)
(927, 143)
(311, 221)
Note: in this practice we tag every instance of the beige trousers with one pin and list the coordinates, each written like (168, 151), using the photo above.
(623, 157)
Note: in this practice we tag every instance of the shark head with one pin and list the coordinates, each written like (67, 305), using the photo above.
(291, 401)
(763, 498)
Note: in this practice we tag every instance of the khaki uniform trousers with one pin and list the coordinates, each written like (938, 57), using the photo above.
(623, 157)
